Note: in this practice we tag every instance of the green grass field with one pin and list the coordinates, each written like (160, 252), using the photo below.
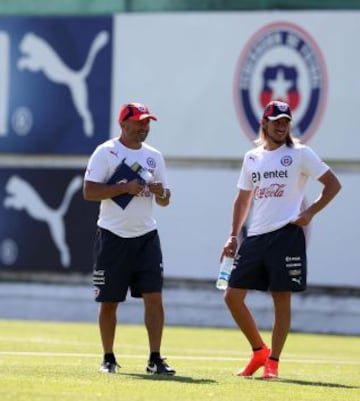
(59, 361)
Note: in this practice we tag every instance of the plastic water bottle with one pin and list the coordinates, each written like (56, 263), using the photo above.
(143, 172)
(224, 273)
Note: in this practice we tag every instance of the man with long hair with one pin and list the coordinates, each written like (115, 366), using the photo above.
(273, 255)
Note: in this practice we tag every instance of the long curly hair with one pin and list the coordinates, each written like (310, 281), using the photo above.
(261, 140)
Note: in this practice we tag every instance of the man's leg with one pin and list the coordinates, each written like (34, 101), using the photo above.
(282, 319)
(154, 319)
(235, 300)
(281, 327)
(154, 322)
(107, 325)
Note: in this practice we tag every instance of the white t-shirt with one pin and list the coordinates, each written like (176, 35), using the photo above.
(278, 180)
(137, 218)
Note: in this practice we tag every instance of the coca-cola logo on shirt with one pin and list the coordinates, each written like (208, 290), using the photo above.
(272, 191)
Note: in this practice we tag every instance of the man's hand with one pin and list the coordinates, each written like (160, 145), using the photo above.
(304, 218)
(157, 188)
(134, 187)
(229, 247)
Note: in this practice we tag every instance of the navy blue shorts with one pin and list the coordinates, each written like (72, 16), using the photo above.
(275, 261)
(126, 263)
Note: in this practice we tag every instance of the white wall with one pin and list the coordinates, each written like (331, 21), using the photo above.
(183, 66)
(334, 239)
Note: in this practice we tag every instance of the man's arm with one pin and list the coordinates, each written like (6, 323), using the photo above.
(97, 191)
(331, 187)
(240, 211)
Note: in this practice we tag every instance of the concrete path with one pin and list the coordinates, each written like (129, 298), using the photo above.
(187, 304)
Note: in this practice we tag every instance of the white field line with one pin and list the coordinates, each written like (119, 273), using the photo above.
(233, 354)
(192, 353)
(183, 357)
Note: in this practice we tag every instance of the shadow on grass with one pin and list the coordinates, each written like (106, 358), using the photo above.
(309, 383)
(179, 379)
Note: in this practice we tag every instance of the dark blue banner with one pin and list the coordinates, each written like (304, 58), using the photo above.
(46, 225)
(55, 84)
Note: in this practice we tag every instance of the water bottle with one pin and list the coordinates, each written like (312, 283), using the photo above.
(224, 273)
(146, 175)
(143, 172)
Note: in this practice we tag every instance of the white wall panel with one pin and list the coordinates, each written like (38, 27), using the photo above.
(183, 66)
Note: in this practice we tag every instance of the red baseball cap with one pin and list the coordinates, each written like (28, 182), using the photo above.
(135, 112)
(277, 109)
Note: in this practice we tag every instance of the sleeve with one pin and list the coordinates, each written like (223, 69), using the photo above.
(97, 167)
(312, 165)
(160, 172)
(244, 181)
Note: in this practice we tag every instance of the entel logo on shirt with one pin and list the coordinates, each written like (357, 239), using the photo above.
(281, 62)
(256, 175)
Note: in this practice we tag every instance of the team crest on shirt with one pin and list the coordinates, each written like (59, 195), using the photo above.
(151, 162)
(286, 161)
(281, 62)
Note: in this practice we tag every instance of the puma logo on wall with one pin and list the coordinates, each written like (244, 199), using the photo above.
(38, 55)
(22, 196)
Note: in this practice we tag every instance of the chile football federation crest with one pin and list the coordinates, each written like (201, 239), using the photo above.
(281, 62)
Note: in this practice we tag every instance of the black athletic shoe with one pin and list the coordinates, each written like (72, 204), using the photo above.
(108, 367)
(159, 367)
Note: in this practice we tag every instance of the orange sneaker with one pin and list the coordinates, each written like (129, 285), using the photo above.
(257, 360)
(270, 369)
